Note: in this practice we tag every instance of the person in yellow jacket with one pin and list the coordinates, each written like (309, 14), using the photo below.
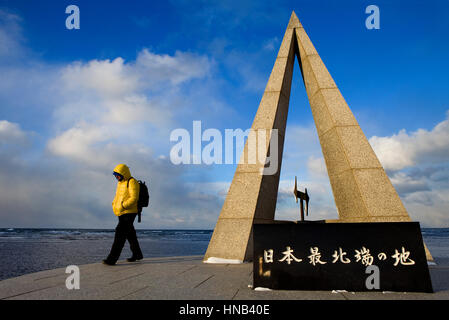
(124, 206)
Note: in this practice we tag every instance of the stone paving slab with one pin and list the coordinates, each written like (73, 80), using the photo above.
(183, 278)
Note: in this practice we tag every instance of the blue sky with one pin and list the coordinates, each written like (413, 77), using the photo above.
(73, 103)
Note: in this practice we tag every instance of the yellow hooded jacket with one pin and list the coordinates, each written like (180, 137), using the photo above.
(127, 193)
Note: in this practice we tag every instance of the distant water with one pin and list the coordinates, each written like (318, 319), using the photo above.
(437, 241)
(30, 250)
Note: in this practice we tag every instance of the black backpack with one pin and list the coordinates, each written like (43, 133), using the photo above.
(144, 197)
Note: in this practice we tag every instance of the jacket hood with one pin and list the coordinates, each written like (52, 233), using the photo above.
(123, 170)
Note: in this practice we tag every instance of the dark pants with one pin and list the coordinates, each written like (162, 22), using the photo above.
(125, 231)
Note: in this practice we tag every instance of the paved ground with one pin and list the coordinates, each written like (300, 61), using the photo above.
(179, 278)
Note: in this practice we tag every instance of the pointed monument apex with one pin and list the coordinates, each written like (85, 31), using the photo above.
(294, 21)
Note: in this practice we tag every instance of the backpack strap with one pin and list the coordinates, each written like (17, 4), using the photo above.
(127, 184)
(139, 218)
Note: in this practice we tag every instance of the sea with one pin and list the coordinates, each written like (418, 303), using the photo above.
(24, 251)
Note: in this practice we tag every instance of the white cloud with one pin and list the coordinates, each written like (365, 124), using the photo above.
(117, 92)
(109, 104)
(181, 67)
(403, 150)
(405, 184)
(78, 143)
(316, 166)
(12, 134)
(429, 207)
(418, 167)
(106, 78)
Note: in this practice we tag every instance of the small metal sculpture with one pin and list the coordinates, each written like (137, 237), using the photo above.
(302, 196)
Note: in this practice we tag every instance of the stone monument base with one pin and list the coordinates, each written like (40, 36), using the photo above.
(385, 256)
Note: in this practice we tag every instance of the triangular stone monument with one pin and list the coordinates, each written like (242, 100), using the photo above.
(361, 188)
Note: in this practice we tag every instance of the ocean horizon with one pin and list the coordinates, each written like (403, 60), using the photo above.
(28, 250)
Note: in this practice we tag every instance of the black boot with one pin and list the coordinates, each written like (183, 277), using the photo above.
(108, 262)
(134, 258)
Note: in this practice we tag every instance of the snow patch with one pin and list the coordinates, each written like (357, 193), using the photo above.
(338, 291)
(262, 289)
(222, 261)
(342, 291)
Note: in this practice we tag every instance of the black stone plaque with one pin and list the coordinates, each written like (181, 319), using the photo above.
(384, 256)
